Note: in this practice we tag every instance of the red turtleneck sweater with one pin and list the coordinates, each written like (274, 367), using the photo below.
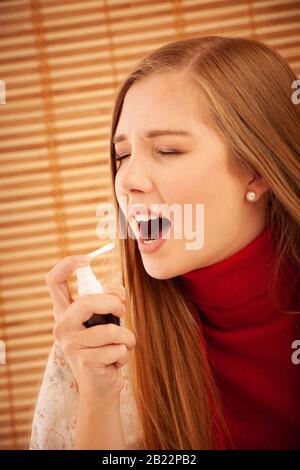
(249, 343)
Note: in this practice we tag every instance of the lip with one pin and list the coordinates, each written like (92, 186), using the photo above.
(150, 248)
(144, 210)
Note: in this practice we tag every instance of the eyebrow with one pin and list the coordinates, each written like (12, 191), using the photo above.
(153, 133)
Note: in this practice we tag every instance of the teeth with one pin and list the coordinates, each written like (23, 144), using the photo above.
(144, 218)
(149, 241)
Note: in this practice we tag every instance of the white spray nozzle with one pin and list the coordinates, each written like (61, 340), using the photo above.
(103, 249)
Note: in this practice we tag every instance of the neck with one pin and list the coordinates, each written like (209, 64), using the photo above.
(240, 283)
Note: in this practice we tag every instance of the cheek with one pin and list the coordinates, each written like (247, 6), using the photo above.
(212, 186)
(194, 183)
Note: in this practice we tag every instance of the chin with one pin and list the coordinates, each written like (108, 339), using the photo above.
(160, 271)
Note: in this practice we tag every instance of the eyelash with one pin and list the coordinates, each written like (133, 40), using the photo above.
(175, 152)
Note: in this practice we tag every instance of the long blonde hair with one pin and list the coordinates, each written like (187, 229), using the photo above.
(248, 89)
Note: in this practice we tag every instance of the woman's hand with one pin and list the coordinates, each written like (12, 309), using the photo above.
(95, 354)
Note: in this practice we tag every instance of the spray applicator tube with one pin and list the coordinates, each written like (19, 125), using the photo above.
(87, 283)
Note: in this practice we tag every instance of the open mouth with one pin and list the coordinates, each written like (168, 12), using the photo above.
(154, 229)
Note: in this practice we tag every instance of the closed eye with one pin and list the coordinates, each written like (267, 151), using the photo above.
(173, 152)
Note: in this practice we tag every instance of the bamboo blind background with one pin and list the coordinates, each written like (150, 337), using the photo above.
(62, 63)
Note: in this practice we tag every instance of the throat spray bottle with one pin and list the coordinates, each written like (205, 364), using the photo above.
(87, 283)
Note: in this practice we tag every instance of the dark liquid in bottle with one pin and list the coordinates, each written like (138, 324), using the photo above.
(100, 319)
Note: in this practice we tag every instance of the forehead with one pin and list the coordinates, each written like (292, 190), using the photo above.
(163, 100)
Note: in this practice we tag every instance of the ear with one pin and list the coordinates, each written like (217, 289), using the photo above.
(259, 185)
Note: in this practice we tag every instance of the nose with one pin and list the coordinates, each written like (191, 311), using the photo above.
(135, 176)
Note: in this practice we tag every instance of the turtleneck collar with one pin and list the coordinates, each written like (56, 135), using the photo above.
(238, 286)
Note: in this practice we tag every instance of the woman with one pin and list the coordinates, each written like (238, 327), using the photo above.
(210, 330)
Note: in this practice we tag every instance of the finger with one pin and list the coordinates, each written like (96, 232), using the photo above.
(104, 356)
(56, 280)
(123, 360)
(102, 335)
(83, 308)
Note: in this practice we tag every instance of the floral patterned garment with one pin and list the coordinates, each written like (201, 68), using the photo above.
(54, 419)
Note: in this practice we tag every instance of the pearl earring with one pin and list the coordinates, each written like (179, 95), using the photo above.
(251, 196)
